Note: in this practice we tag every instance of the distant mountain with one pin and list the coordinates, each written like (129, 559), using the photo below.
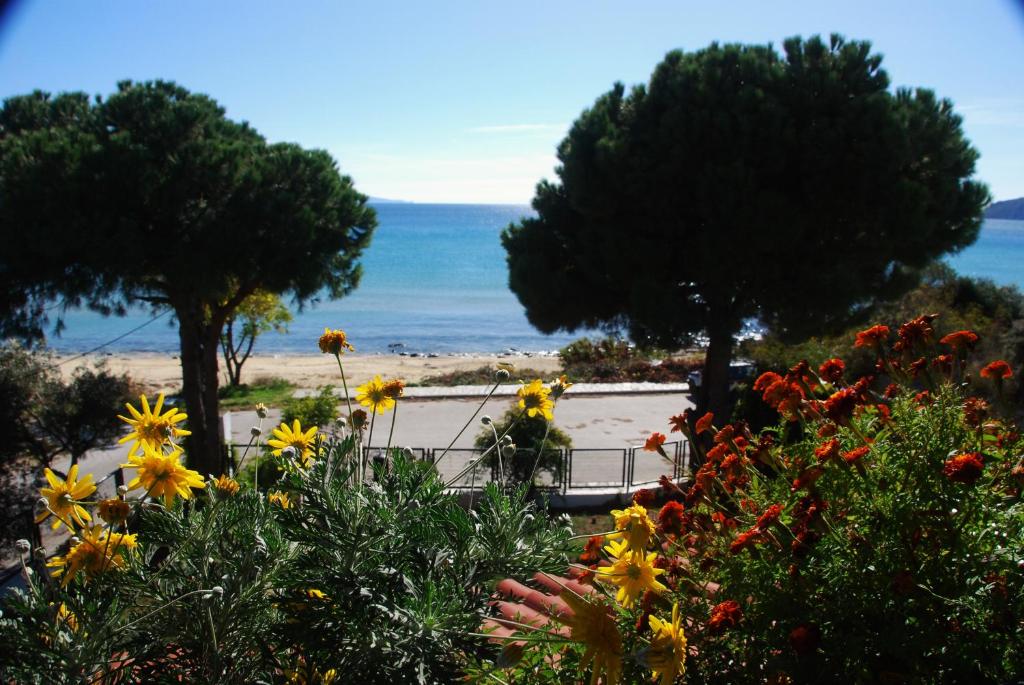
(1007, 209)
(385, 201)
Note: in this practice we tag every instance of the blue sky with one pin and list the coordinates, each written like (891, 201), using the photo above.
(466, 101)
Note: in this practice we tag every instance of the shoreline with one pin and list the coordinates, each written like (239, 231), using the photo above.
(161, 372)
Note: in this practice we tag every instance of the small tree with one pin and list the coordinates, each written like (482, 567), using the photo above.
(259, 313)
(740, 183)
(530, 436)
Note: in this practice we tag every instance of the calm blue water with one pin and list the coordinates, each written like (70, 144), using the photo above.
(434, 280)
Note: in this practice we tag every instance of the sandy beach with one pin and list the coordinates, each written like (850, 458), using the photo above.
(162, 372)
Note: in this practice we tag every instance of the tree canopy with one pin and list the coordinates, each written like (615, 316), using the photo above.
(153, 195)
(738, 183)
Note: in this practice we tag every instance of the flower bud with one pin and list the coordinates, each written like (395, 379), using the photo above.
(288, 452)
(217, 590)
(122, 490)
(408, 453)
(255, 431)
(40, 553)
(501, 375)
(261, 410)
(23, 546)
(43, 503)
(75, 540)
(508, 451)
(485, 419)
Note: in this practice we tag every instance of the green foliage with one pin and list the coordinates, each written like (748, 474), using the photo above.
(383, 583)
(869, 536)
(152, 195)
(796, 188)
(995, 313)
(611, 360)
(320, 410)
(271, 391)
(483, 375)
(531, 436)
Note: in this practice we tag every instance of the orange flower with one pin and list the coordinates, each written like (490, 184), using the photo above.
(964, 468)
(826, 451)
(960, 340)
(704, 422)
(997, 370)
(655, 442)
(679, 422)
(766, 380)
(725, 435)
(747, 538)
(832, 370)
(916, 331)
(872, 337)
(725, 615)
(335, 342)
(855, 454)
(768, 517)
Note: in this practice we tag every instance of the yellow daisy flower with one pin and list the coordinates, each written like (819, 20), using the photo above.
(285, 436)
(150, 427)
(335, 342)
(634, 525)
(374, 396)
(63, 496)
(633, 572)
(99, 551)
(592, 626)
(163, 475)
(66, 617)
(281, 499)
(534, 399)
(559, 386)
(229, 486)
(667, 654)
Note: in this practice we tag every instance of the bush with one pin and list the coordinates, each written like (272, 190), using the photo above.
(531, 436)
(610, 360)
(319, 410)
(483, 375)
(875, 534)
(378, 583)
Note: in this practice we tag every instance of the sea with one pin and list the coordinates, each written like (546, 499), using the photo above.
(435, 282)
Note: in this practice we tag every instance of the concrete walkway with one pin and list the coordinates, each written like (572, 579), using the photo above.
(510, 389)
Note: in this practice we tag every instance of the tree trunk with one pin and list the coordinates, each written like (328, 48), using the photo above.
(199, 348)
(714, 390)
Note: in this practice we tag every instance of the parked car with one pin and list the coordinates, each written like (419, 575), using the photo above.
(739, 372)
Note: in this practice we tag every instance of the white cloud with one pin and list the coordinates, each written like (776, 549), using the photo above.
(993, 112)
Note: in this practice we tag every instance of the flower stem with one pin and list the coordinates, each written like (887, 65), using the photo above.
(391, 433)
(459, 434)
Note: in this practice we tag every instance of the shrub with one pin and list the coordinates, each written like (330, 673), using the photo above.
(610, 360)
(531, 436)
(874, 534)
(316, 410)
(326, 578)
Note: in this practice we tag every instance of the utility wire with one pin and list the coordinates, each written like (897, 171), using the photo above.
(110, 342)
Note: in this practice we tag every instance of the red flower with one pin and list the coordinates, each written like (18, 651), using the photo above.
(872, 337)
(975, 411)
(644, 497)
(592, 550)
(654, 442)
(671, 517)
(855, 454)
(805, 638)
(747, 538)
(807, 477)
(964, 468)
(944, 363)
(892, 390)
(916, 331)
(769, 517)
(917, 366)
(839, 406)
(766, 380)
(832, 370)
(827, 430)
(717, 453)
(724, 615)
(997, 370)
(704, 423)
(828, 450)
(725, 435)
(678, 422)
(923, 398)
(960, 340)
